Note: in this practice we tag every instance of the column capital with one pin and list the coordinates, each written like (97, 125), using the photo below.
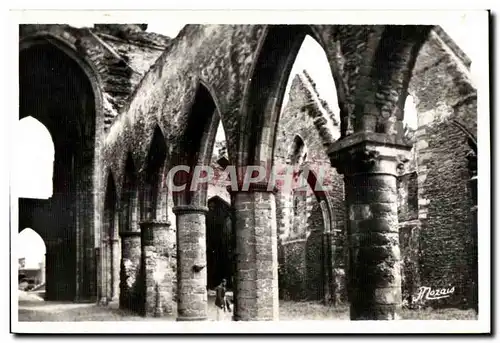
(155, 223)
(369, 152)
(254, 187)
(183, 209)
(130, 234)
(148, 229)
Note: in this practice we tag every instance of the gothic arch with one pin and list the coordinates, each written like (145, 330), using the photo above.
(152, 177)
(129, 197)
(263, 94)
(35, 155)
(196, 145)
(62, 91)
(47, 38)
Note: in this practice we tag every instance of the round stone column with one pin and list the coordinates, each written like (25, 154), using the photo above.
(156, 238)
(105, 295)
(130, 270)
(114, 244)
(256, 281)
(369, 162)
(191, 263)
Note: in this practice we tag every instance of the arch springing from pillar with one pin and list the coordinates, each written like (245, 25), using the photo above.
(153, 177)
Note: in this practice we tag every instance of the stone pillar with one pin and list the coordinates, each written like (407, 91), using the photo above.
(98, 259)
(256, 279)
(328, 292)
(157, 276)
(115, 268)
(191, 263)
(369, 162)
(105, 272)
(130, 270)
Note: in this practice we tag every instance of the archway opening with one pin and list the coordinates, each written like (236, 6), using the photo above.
(311, 70)
(153, 191)
(34, 160)
(203, 144)
(219, 243)
(56, 91)
(31, 252)
(196, 147)
(293, 92)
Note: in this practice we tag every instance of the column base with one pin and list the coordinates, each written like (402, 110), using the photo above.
(103, 302)
(85, 300)
(191, 319)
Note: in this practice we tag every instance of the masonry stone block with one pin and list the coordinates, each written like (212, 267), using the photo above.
(156, 248)
(192, 297)
(130, 287)
(256, 293)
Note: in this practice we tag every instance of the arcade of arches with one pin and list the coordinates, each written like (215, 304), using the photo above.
(383, 210)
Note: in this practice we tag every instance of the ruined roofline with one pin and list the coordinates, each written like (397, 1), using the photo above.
(132, 34)
(318, 97)
(142, 44)
(157, 64)
(450, 43)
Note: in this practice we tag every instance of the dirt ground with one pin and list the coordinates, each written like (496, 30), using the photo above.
(32, 309)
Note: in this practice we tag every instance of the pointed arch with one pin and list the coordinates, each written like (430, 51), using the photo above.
(31, 246)
(129, 198)
(60, 88)
(35, 151)
(263, 95)
(195, 146)
(217, 198)
(152, 176)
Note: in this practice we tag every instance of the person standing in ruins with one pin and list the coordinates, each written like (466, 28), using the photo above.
(220, 299)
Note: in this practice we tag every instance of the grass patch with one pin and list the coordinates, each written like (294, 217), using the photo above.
(289, 310)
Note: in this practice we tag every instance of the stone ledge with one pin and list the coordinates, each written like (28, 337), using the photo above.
(154, 223)
(184, 209)
(130, 234)
(254, 187)
(369, 152)
(148, 229)
(367, 138)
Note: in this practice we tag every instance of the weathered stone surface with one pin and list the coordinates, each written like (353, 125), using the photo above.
(142, 81)
(191, 263)
(256, 293)
(130, 287)
(374, 258)
(157, 241)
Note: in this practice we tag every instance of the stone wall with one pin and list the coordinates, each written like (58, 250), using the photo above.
(301, 221)
(446, 103)
(434, 200)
